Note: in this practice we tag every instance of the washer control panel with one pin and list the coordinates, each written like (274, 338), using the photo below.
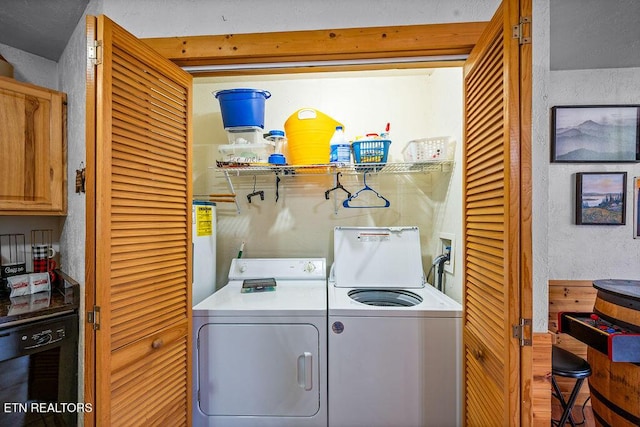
(278, 268)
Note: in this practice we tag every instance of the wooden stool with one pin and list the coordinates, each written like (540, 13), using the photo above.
(568, 365)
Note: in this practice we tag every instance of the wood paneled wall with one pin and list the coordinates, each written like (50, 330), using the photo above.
(570, 295)
(541, 393)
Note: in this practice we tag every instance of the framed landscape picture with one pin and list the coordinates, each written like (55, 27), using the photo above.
(600, 198)
(636, 208)
(590, 134)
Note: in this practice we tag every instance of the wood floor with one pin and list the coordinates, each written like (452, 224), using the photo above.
(556, 413)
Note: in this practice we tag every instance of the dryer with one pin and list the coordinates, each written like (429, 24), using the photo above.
(394, 340)
(260, 358)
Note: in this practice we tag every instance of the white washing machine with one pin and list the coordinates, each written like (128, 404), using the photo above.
(260, 358)
(394, 341)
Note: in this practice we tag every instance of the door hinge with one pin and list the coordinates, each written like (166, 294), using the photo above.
(93, 317)
(518, 31)
(522, 332)
(95, 52)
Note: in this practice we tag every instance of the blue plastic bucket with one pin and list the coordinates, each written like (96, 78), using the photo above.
(242, 107)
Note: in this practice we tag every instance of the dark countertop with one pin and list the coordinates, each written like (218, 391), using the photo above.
(622, 288)
(21, 309)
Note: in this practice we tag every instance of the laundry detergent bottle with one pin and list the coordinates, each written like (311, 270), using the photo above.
(340, 147)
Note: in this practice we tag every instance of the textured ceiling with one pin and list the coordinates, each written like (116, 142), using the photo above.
(40, 27)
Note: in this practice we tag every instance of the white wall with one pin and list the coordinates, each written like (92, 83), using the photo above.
(154, 18)
(587, 252)
(31, 68)
(149, 18)
(173, 17)
(72, 66)
(540, 164)
(418, 103)
(557, 244)
(561, 249)
(160, 18)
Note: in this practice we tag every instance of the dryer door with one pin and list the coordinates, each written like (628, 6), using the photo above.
(258, 369)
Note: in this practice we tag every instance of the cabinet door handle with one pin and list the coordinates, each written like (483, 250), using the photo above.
(156, 344)
(305, 371)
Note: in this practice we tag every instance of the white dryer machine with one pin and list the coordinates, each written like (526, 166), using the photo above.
(394, 340)
(260, 355)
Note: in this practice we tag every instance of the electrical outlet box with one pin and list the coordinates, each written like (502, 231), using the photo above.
(448, 244)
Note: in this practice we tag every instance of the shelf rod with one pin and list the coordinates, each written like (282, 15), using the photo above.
(233, 191)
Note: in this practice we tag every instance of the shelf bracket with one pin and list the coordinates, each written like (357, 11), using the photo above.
(233, 191)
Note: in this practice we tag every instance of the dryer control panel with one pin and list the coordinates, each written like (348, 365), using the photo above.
(278, 268)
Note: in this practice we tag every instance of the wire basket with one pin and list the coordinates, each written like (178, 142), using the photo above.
(425, 149)
(371, 151)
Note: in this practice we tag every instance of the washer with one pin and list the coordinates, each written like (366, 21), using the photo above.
(394, 341)
(260, 358)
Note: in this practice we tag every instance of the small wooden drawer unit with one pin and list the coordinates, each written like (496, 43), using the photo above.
(619, 343)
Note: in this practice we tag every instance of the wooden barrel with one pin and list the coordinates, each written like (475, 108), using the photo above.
(615, 386)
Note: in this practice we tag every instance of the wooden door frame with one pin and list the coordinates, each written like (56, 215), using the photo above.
(402, 42)
(90, 223)
(540, 343)
(399, 42)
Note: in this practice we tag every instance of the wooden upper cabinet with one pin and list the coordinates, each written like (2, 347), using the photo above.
(33, 150)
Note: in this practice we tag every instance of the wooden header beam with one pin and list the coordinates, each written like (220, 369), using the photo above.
(321, 45)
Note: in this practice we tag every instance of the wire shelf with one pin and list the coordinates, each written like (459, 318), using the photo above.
(239, 169)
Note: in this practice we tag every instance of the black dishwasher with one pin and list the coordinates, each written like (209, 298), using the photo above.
(38, 371)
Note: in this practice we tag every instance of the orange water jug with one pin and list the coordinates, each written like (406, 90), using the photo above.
(308, 134)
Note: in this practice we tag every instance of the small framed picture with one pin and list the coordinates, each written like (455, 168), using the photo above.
(636, 207)
(600, 198)
(595, 134)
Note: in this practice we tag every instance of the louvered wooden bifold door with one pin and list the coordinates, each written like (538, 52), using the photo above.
(142, 241)
(491, 230)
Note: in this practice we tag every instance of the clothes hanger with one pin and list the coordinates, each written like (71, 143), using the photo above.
(255, 193)
(337, 187)
(366, 187)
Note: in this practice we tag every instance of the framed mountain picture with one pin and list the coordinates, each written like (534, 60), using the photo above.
(595, 134)
(601, 198)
